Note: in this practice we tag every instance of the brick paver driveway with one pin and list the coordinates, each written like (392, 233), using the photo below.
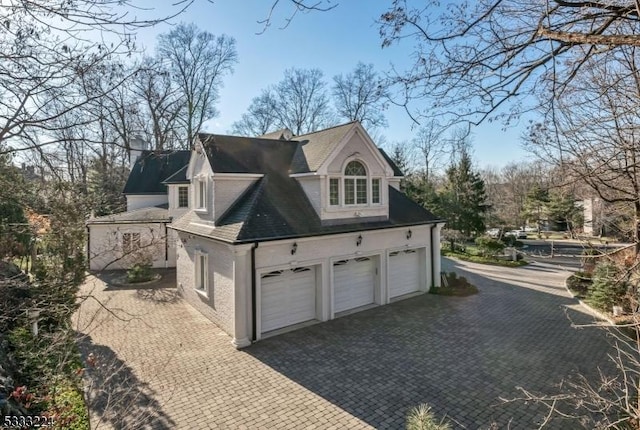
(160, 364)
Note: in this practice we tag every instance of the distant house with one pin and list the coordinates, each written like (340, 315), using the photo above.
(275, 232)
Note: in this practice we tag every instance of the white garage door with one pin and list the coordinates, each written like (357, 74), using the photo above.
(287, 297)
(404, 272)
(353, 283)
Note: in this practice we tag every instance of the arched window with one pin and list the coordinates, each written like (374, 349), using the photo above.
(355, 184)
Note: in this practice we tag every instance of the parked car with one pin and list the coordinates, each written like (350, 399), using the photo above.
(493, 232)
(518, 234)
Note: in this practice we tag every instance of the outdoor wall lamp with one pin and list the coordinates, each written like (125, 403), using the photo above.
(409, 233)
(294, 248)
(359, 240)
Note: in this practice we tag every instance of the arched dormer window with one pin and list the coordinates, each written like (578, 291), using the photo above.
(355, 184)
(355, 187)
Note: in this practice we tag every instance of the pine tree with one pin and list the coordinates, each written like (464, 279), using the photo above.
(463, 199)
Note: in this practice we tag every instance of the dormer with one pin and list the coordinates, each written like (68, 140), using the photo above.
(217, 176)
(351, 177)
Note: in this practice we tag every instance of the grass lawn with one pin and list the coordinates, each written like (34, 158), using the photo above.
(470, 255)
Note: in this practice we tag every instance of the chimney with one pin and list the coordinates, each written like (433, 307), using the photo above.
(136, 146)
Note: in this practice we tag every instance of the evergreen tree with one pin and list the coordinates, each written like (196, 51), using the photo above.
(463, 200)
(535, 205)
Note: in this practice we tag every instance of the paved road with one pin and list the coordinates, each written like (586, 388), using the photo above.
(161, 365)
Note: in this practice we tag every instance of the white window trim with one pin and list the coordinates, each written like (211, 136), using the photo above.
(197, 275)
(200, 206)
(380, 194)
(133, 245)
(339, 179)
(178, 197)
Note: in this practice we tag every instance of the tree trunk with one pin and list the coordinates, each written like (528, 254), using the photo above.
(636, 232)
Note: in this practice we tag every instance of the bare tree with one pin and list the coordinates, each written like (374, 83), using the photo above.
(162, 105)
(473, 56)
(360, 95)
(433, 147)
(260, 118)
(593, 131)
(47, 51)
(298, 102)
(197, 61)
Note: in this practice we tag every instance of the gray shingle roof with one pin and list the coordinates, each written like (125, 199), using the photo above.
(316, 147)
(277, 208)
(180, 177)
(152, 168)
(235, 154)
(394, 167)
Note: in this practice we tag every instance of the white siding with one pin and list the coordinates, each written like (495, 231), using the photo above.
(106, 253)
(146, 201)
(218, 305)
(365, 153)
(312, 186)
(227, 191)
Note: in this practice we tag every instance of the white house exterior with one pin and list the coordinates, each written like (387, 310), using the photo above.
(155, 193)
(286, 233)
(277, 232)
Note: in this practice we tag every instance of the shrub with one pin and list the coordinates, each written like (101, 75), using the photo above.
(607, 289)
(579, 284)
(511, 241)
(68, 407)
(140, 272)
(421, 418)
(489, 246)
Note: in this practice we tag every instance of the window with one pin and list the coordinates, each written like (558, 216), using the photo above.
(375, 190)
(130, 242)
(183, 197)
(201, 194)
(202, 272)
(355, 184)
(334, 191)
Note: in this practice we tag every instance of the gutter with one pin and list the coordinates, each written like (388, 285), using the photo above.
(254, 324)
(302, 236)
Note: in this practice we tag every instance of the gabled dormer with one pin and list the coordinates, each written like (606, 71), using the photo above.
(220, 170)
(347, 177)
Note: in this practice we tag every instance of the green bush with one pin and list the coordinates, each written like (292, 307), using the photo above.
(511, 241)
(579, 284)
(607, 289)
(68, 408)
(489, 246)
(140, 272)
(421, 418)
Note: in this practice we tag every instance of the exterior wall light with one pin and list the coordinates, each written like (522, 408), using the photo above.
(359, 240)
(294, 248)
(409, 233)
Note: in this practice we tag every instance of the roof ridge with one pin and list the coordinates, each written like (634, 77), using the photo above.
(326, 129)
(247, 137)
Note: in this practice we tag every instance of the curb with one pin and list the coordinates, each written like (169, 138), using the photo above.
(117, 283)
(591, 310)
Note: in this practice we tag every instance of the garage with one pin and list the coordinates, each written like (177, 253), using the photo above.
(353, 283)
(287, 297)
(404, 272)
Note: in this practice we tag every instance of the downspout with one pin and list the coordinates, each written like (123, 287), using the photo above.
(166, 246)
(433, 257)
(88, 248)
(254, 323)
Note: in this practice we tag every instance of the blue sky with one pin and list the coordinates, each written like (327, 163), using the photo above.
(332, 41)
